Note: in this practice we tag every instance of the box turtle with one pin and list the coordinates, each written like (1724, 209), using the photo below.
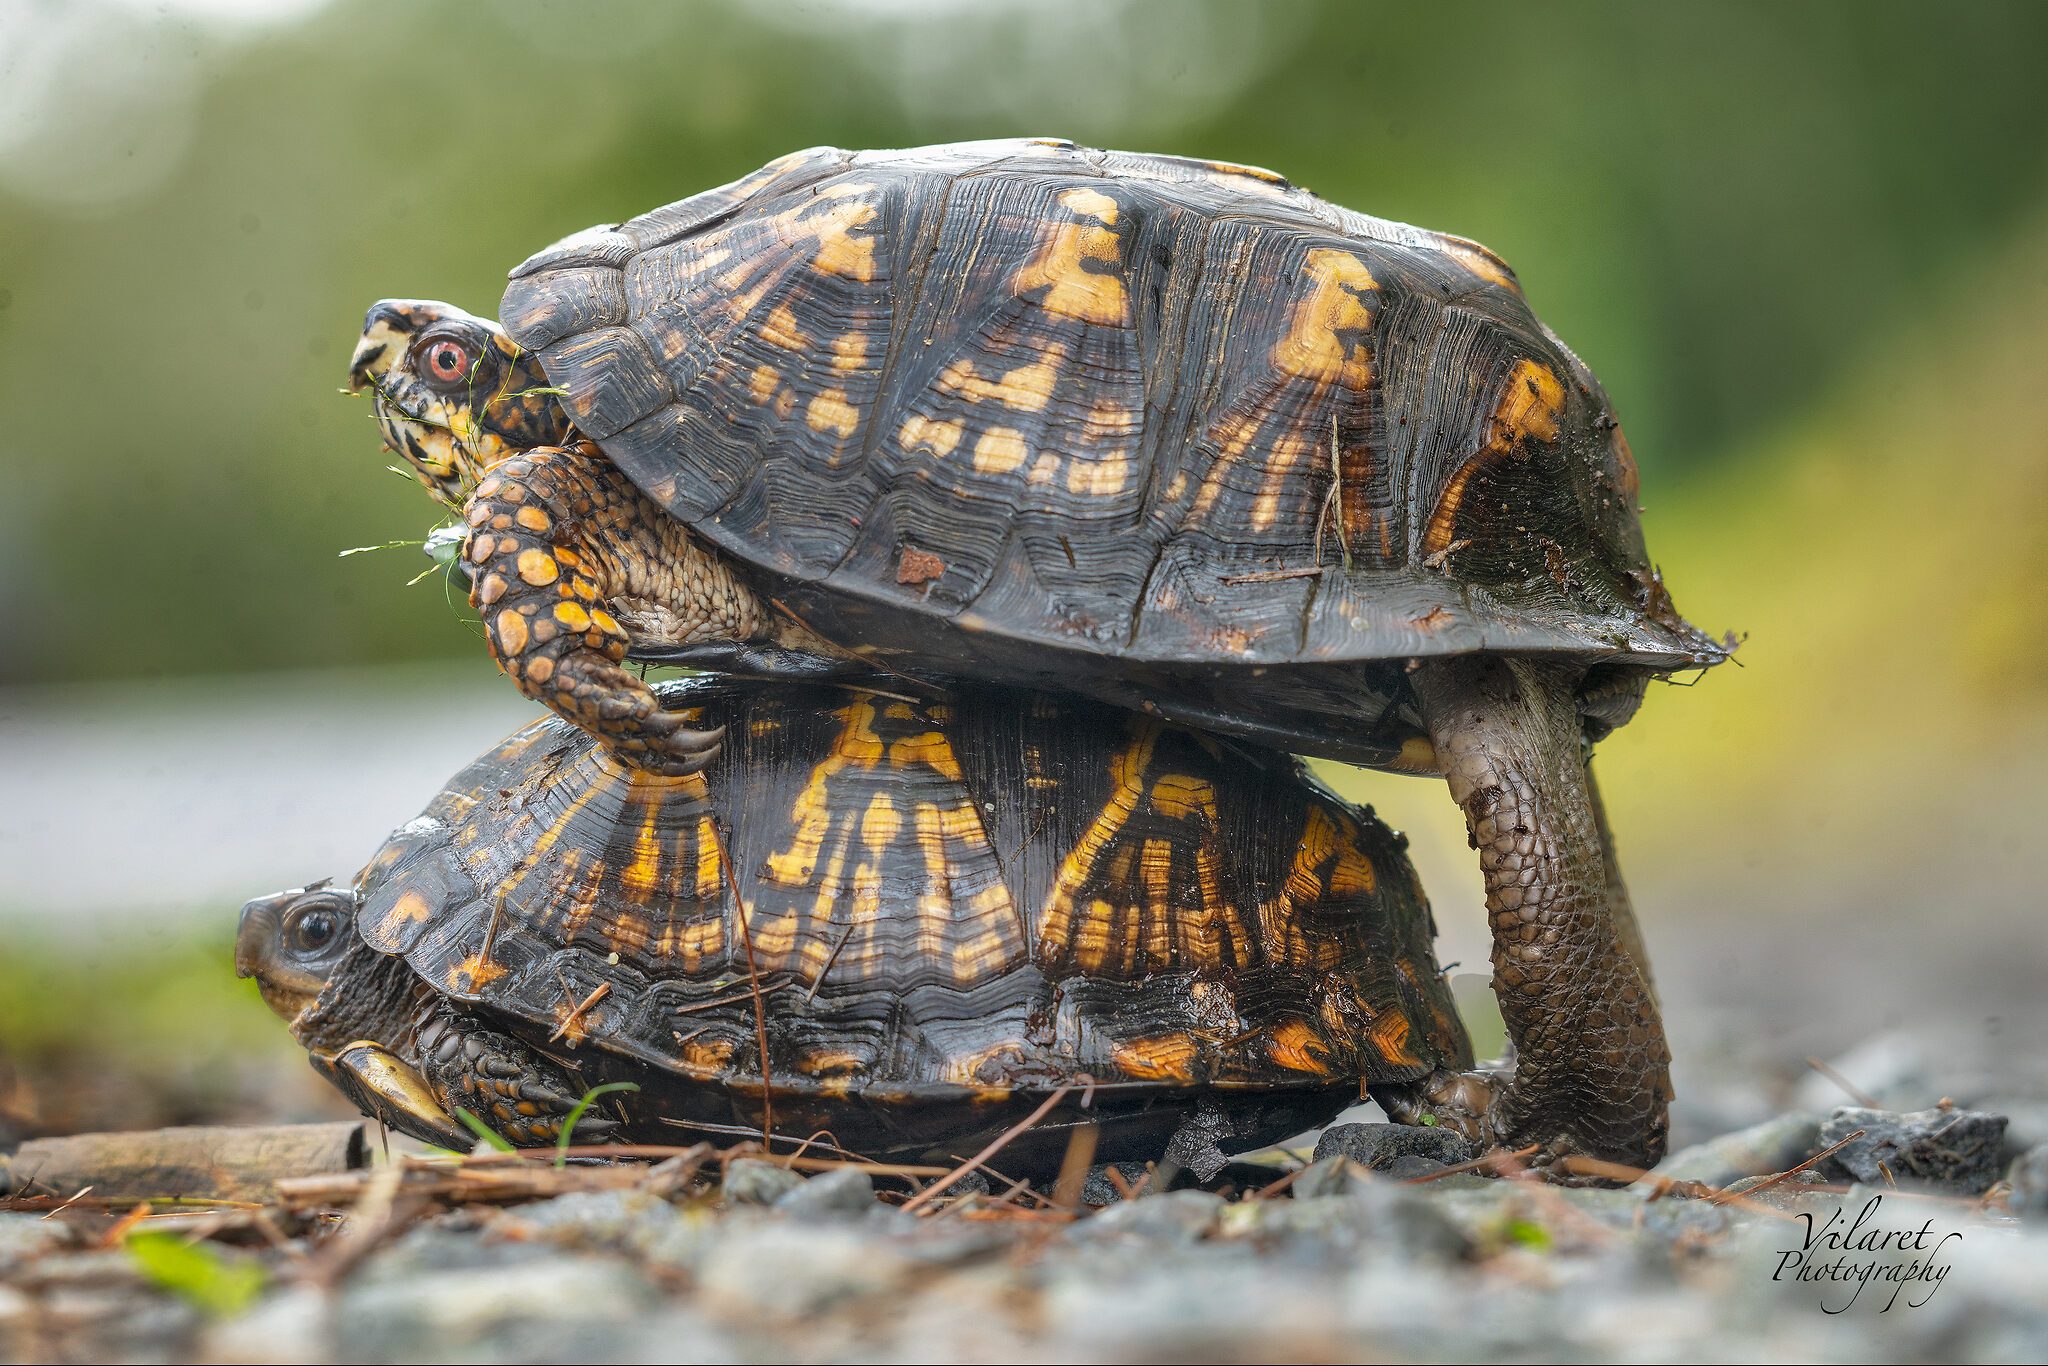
(1175, 434)
(953, 907)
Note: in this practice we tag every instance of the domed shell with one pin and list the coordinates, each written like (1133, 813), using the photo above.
(972, 899)
(1164, 410)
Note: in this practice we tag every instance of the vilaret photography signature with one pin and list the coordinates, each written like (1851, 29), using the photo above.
(1840, 1252)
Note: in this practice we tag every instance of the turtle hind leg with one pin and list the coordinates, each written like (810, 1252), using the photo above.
(1592, 1071)
(522, 1096)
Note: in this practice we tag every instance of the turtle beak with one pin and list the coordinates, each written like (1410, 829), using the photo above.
(258, 929)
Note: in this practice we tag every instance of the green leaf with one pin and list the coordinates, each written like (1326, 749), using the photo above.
(485, 1134)
(1526, 1233)
(1429, 1120)
(562, 1143)
(197, 1272)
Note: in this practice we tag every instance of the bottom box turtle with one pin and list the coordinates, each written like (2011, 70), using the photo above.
(953, 908)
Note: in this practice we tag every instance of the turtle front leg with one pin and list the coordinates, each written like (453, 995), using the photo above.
(521, 1095)
(1591, 1068)
(570, 566)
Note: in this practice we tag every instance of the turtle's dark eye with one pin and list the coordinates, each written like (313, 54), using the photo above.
(447, 363)
(312, 930)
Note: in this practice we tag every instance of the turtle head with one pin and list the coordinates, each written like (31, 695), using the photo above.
(454, 394)
(291, 942)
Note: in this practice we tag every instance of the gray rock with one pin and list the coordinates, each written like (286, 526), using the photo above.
(2029, 1178)
(1759, 1150)
(750, 1181)
(1957, 1150)
(1174, 1217)
(24, 1237)
(1411, 1165)
(844, 1192)
(1379, 1146)
(1329, 1176)
(550, 1307)
(1401, 1220)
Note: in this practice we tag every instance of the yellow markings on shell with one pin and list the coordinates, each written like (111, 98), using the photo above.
(473, 973)
(1298, 1047)
(1000, 451)
(849, 351)
(764, 383)
(1026, 389)
(1103, 477)
(985, 1065)
(1057, 917)
(1328, 867)
(705, 1059)
(511, 632)
(1478, 261)
(1528, 410)
(839, 251)
(1079, 261)
(640, 878)
(830, 412)
(1272, 180)
(938, 437)
(780, 329)
(1389, 1035)
(830, 1062)
(1325, 336)
(537, 567)
(409, 909)
(1165, 1057)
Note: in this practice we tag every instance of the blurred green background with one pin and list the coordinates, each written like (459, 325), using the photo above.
(1806, 247)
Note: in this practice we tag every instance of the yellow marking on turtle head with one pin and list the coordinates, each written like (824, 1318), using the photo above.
(830, 412)
(1079, 261)
(1000, 450)
(1325, 336)
(1163, 1057)
(1528, 410)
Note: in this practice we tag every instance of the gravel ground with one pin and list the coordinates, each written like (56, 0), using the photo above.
(1931, 1227)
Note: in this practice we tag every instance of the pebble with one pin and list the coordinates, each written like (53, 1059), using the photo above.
(750, 1181)
(1379, 1146)
(843, 1192)
(1172, 1217)
(2029, 1178)
(1955, 1150)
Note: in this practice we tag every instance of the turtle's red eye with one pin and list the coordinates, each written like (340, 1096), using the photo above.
(447, 362)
